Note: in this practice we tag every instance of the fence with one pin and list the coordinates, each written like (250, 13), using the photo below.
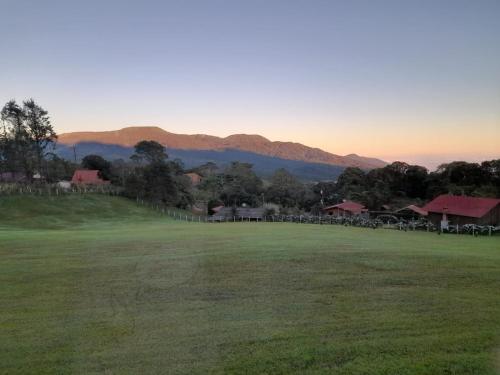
(412, 225)
(55, 190)
(178, 214)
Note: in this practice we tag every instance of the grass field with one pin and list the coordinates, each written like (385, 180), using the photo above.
(97, 285)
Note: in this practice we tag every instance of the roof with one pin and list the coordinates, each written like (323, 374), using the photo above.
(217, 208)
(413, 208)
(347, 206)
(194, 177)
(461, 205)
(82, 176)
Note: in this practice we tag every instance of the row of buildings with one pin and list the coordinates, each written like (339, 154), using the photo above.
(442, 211)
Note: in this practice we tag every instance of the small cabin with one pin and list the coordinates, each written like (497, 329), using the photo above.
(87, 177)
(345, 209)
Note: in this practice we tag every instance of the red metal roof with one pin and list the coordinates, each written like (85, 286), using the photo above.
(461, 205)
(347, 206)
(82, 176)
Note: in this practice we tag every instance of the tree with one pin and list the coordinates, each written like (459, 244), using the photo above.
(96, 162)
(150, 152)
(491, 169)
(59, 169)
(27, 133)
(351, 181)
(285, 189)
(40, 131)
(241, 185)
(415, 181)
(15, 140)
(158, 180)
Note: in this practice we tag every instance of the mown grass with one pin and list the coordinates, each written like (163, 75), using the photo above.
(97, 285)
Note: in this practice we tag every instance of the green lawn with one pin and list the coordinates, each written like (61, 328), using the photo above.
(97, 285)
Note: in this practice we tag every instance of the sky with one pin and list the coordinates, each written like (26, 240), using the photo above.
(417, 81)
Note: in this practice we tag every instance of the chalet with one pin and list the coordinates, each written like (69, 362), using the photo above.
(345, 209)
(460, 210)
(87, 177)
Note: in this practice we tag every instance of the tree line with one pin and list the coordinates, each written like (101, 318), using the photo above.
(397, 184)
(28, 141)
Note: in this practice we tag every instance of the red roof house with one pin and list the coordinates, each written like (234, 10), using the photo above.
(87, 177)
(464, 210)
(346, 208)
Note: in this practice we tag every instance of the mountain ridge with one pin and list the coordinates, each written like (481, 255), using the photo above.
(129, 136)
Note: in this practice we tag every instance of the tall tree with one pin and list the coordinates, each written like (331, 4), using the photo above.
(285, 189)
(149, 152)
(15, 139)
(241, 185)
(41, 134)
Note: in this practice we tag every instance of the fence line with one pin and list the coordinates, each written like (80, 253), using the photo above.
(182, 215)
(54, 190)
(415, 225)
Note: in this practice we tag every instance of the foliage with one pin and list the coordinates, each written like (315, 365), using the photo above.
(241, 185)
(149, 152)
(157, 179)
(285, 189)
(400, 181)
(96, 162)
(59, 169)
(27, 135)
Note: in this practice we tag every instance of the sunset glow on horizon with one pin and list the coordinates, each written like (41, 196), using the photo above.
(412, 81)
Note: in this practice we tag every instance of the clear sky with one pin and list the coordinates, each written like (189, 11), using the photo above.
(413, 80)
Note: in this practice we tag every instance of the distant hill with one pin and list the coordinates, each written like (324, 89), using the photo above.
(255, 144)
(263, 165)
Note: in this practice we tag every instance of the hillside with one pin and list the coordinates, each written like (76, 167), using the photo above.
(70, 211)
(263, 165)
(257, 144)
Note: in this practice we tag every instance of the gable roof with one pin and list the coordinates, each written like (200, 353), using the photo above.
(461, 205)
(413, 208)
(82, 176)
(347, 206)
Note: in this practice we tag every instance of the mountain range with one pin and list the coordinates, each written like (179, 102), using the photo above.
(200, 148)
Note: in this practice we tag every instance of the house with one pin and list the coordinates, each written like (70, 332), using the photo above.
(232, 213)
(411, 212)
(195, 178)
(347, 208)
(459, 210)
(87, 177)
